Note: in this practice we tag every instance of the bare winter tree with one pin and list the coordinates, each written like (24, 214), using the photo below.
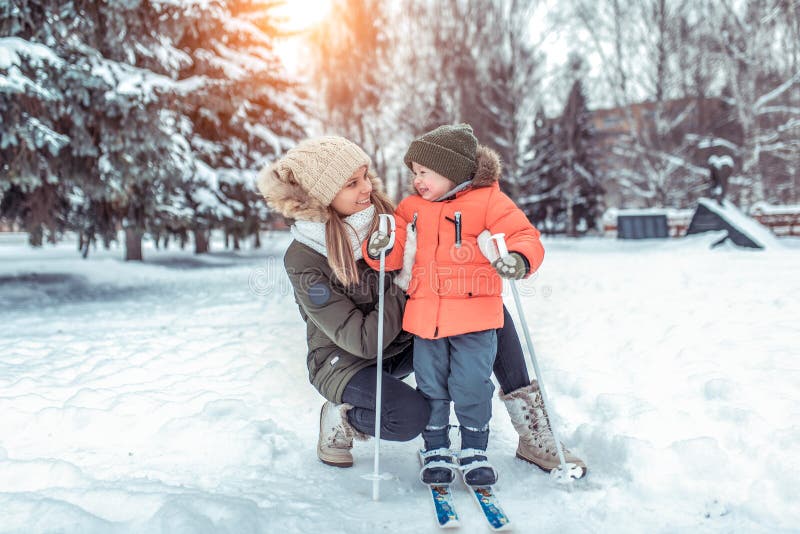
(641, 46)
(389, 72)
(353, 63)
(756, 45)
(477, 63)
(693, 78)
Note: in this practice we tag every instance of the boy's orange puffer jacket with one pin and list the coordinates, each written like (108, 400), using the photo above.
(455, 290)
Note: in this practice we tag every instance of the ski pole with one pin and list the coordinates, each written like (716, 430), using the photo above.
(385, 223)
(565, 472)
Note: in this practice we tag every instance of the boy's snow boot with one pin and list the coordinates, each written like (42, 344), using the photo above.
(476, 467)
(438, 466)
(536, 442)
(336, 435)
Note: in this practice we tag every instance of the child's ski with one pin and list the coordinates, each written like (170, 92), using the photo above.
(490, 506)
(444, 505)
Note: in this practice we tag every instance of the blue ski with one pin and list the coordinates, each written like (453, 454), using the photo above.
(490, 506)
(444, 505)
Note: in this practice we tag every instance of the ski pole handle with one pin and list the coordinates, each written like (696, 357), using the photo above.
(387, 225)
(500, 241)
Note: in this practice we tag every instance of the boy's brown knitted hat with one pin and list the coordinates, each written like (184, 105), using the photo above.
(448, 150)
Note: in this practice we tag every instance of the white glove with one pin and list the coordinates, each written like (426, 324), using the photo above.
(403, 278)
(487, 246)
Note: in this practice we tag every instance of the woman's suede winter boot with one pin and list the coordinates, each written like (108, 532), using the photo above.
(336, 435)
(536, 442)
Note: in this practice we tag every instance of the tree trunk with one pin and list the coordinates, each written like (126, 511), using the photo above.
(571, 200)
(200, 241)
(133, 244)
(257, 243)
(35, 236)
(85, 243)
(236, 242)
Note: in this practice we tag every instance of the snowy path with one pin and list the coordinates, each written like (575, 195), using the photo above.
(172, 397)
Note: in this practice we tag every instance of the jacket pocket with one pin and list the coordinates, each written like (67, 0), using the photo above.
(468, 280)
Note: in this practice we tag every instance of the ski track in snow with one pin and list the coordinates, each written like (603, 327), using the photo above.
(172, 396)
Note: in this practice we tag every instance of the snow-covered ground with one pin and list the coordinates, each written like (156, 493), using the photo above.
(171, 396)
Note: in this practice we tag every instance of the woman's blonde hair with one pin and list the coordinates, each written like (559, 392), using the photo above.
(340, 252)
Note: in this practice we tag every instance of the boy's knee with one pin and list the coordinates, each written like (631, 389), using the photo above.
(467, 392)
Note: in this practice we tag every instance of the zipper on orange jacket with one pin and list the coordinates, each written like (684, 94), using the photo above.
(435, 254)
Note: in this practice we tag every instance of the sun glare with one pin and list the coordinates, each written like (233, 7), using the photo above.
(303, 15)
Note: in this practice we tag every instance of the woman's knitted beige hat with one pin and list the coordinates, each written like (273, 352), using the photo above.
(308, 177)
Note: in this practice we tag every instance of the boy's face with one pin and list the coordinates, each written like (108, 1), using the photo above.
(429, 184)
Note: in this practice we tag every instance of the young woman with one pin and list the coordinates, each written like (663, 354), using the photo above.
(325, 185)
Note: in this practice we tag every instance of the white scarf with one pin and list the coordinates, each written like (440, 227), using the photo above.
(312, 234)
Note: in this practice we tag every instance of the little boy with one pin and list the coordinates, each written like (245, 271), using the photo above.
(455, 294)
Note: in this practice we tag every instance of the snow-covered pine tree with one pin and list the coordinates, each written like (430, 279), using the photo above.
(106, 139)
(143, 152)
(539, 183)
(32, 139)
(106, 119)
(581, 192)
(644, 79)
(243, 110)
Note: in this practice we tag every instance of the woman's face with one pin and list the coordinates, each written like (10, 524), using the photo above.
(354, 196)
(429, 184)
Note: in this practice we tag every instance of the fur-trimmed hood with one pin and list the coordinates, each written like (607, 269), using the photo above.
(489, 167)
(285, 195)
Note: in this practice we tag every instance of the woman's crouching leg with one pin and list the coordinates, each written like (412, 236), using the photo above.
(404, 411)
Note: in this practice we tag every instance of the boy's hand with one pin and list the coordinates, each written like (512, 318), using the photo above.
(513, 266)
(377, 242)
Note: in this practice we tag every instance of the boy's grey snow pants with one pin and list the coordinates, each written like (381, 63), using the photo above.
(404, 411)
(458, 369)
